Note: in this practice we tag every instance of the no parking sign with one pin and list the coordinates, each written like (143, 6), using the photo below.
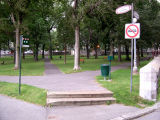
(132, 31)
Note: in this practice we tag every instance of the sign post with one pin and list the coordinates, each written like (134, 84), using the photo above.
(24, 42)
(132, 31)
(131, 54)
(135, 69)
(20, 49)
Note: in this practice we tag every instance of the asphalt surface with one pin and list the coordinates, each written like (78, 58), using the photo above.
(82, 81)
(97, 112)
(12, 109)
(50, 69)
(152, 116)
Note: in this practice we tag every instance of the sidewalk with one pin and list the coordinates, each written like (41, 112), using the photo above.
(12, 109)
(83, 81)
(50, 69)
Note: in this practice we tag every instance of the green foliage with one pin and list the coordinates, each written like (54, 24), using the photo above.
(28, 93)
(98, 22)
(65, 33)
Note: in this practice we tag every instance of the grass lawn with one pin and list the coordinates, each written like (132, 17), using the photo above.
(29, 67)
(28, 93)
(89, 64)
(120, 85)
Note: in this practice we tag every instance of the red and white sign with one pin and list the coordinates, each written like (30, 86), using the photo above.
(123, 9)
(132, 31)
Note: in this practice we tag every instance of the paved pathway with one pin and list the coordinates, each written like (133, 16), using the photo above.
(12, 109)
(96, 112)
(81, 81)
(152, 116)
(50, 69)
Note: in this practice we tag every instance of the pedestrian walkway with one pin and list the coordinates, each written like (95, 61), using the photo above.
(82, 81)
(50, 69)
(12, 109)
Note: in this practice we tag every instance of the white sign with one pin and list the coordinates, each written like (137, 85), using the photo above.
(123, 9)
(25, 45)
(136, 15)
(132, 31)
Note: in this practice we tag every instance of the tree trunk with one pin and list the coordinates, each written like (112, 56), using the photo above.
(77, 50)
(95, 49)
(127, 52)
(105, 48)
(23, 55)
(50, 46)
(43, 47)
(14, 55)
(142, 52)
(138, 56)
(111, 49)
(0, 50)
(87, 44)
(87, 48)
(65, 49)
(17, 48)
(36, 52)
(119, 52)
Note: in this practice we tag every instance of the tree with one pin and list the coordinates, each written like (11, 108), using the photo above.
(17, 11)
(65, 34)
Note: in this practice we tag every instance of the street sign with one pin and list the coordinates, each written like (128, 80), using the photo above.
(136, 15)
(132, 31)
(123, 9)
(25, 42)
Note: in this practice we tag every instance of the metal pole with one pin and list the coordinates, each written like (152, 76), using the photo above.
(131, 53)
(110, 70)
(135, 69)
(20, 64)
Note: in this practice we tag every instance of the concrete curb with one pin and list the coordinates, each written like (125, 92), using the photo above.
(139, 113)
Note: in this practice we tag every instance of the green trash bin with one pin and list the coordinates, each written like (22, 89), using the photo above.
(104, 70)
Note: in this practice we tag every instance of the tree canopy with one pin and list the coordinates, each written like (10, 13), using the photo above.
(76, 24)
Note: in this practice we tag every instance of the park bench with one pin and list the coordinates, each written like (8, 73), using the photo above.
(82, 60)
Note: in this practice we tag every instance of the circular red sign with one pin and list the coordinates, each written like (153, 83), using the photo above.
(135, 34)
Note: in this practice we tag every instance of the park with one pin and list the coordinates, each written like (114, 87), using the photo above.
(79, 60)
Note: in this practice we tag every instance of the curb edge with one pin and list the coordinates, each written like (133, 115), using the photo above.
(139, 113)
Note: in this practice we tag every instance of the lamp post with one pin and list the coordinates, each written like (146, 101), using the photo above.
(135, 69)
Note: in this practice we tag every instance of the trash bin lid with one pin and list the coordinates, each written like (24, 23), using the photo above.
(104, 65)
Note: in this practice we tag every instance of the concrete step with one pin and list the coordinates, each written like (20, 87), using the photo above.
(80, 94)
(79, 101)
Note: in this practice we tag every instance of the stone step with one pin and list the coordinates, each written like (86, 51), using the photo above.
(79, 101)
(80, 94)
